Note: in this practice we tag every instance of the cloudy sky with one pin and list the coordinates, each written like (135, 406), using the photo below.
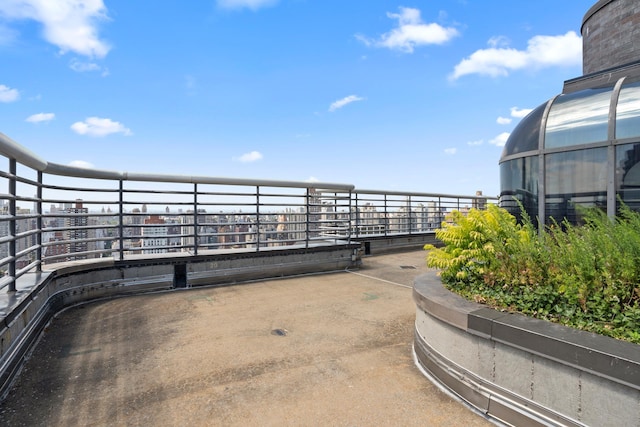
(416, 96)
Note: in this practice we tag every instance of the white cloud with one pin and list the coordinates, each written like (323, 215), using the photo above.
(252, 156)
(500, 140)
(520, 112)
(72, 25)
(82, 67)
(8, 95)
(249, 4)
(40, 117)
(450, 151)
(96, 126)
(411, 32)
(82, 164)
(503, 120)
(476, 142)
(312, 179)
(542, 51)
(344, 101)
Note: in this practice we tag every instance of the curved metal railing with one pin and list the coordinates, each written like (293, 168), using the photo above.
(53, 213)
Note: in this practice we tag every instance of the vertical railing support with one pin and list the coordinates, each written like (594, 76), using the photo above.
(258, 218)
(195, 218)
(410, 212)
(121, 220)
(356, 214)
(12, 224)
(386, 217)
(39, 223)
(307, 218)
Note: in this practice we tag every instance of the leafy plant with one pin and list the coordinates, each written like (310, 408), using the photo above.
(584, 276)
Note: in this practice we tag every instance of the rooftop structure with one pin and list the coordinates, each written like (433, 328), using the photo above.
(582, 147)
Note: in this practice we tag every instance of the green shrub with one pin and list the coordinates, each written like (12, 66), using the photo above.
(584, 276)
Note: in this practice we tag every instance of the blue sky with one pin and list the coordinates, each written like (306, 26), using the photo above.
(385, 95)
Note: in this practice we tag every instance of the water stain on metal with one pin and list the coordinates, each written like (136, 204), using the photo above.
(279, 332)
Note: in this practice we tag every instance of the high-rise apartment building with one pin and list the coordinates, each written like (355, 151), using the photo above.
(154, 237)
(76, 232)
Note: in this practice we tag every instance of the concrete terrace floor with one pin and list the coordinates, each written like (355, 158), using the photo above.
(319, 350)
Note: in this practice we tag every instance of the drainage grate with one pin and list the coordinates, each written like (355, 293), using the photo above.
(407, 267)
(279, 332)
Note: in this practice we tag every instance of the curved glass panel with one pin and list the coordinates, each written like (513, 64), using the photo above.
(575, 178)
(519, 186)
(628, 174)
(578, 118)
(525, 136)
(628, 112)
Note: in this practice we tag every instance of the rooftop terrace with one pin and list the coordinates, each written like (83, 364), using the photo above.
(320, 349)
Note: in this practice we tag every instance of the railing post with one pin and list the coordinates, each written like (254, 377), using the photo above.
(354, 214)
(307, 218)
(257, 218)
(195, 218)
(386, 216)
(39, 223)
(121, 220)
(350, 219)
(409, 212)
(12, 224)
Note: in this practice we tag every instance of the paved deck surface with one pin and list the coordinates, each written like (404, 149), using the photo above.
(323, 350)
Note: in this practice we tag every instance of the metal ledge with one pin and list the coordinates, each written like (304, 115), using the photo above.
(605, 357)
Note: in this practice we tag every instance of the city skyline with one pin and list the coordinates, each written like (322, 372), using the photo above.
(392, 96)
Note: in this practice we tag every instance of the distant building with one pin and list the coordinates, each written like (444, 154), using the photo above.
(76, 232)
(154, 237)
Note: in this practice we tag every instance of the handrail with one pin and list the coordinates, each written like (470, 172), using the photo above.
(76, 217)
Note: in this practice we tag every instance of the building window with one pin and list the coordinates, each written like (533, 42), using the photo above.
(578, 118)
(628, 112)
(575, 178)
(519, 186)
(628, 174)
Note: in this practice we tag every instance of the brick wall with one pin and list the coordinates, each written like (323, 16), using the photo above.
(611, 35)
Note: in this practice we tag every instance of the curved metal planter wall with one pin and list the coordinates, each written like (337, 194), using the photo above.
(520, 370)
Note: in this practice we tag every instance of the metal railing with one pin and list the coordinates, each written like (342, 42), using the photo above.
(53, 213)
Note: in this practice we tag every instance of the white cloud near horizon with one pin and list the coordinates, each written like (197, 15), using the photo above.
(97, 126)
(503, 120)
(81, 164)
(40, 117)
(252, 156)
(475, 143)
(450, 151)
(541, 52)
(411, 32)
(248, 4)
(8, 95)
(71, 25)
(336, 105)
(500, 140)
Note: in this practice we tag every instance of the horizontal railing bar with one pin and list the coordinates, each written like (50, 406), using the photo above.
(27, 268)
(6, 281)
(23, 234)
(6, 260)
(26, 251)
